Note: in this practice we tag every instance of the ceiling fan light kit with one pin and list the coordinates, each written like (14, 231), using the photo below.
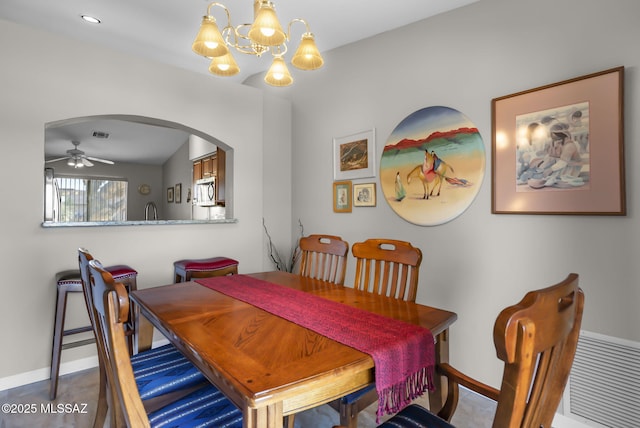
(265, 34)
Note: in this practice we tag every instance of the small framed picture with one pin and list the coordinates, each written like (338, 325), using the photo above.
(364, 195)
(178, 195)
(354, 156)
(170, 194)
(342, 196)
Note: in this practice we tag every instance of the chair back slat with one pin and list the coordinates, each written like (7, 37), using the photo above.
(324, 257)
(537, 340)
(388, 267)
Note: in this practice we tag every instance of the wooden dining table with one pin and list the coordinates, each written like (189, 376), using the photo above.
(270, 367)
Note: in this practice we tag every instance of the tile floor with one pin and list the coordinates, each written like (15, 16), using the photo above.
(78, 393)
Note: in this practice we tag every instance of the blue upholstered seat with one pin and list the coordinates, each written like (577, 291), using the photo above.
(355, 396)
(415, 416)
(162, 370)
(154, 370)
(157, 371)
(205, 407)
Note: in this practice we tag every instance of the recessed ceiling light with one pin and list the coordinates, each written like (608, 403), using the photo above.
(90, 19)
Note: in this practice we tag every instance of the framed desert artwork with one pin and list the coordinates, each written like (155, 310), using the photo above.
(558, 149)
(354, 156)
(432, 166)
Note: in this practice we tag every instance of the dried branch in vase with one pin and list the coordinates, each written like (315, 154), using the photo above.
(285, 265)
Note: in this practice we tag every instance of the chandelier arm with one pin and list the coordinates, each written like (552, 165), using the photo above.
(227, 32)
(279, 50)
(222, 7)
(294, 21)
(242, 43)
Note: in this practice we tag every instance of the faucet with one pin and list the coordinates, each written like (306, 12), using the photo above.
(150, 205)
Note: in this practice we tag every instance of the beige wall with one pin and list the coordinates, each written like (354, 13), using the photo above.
(47, 78)
(478, 263)
(474, 265)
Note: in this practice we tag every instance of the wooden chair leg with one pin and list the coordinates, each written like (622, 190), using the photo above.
(349, 411)
(289, 421)
(349, 416)
(103, 405)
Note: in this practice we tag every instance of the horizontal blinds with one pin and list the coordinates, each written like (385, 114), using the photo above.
(90, 199)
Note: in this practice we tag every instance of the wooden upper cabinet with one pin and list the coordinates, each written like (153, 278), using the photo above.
(197, 170)
(212, 166)
(208, 169)
(221, 176)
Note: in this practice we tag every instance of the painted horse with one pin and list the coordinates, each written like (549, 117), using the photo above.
(432, 171)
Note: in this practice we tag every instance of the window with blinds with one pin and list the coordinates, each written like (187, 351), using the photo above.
(92, 199)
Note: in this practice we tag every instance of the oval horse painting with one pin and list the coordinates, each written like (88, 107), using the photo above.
(432, 166)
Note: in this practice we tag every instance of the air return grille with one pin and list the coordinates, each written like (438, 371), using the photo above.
(100, 134)
(604, 385)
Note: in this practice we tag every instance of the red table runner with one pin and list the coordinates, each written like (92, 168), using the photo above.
(403, 353)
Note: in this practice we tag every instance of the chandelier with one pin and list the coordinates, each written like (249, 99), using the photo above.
(264, 35)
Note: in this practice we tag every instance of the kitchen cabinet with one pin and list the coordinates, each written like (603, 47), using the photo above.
(209, 166)
(197, 170)
(212, 166)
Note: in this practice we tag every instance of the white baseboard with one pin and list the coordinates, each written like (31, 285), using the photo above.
(561, 421)
(39, 375)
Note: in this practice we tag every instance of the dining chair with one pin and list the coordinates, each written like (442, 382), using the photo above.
(202, 406)
(160, 374)
(324, 257)
(536, 339)
(390, 268)
(387, 267)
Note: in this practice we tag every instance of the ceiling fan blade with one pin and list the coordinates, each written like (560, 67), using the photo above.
(99, 160)
(56, 160)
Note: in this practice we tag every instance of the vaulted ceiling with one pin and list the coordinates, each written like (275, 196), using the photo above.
(163, 30)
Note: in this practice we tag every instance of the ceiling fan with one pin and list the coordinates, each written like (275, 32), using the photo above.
(78, 159)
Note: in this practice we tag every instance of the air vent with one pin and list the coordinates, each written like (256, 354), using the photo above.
(604, 385)
(100, 134)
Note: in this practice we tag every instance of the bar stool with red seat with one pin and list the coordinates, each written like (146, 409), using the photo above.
(186, 269)
(69, 281)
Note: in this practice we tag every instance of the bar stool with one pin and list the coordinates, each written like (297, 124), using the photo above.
(186, 269)
(69, 281)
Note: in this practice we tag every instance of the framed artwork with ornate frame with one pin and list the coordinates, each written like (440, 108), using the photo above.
(559, 148)
(169, 194)
(342, 196)
(354, 156)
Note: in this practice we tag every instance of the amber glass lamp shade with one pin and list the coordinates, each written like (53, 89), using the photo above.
(224, 65)
(266, 29)
(209, 42)
(307, 56)
(278, 74)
